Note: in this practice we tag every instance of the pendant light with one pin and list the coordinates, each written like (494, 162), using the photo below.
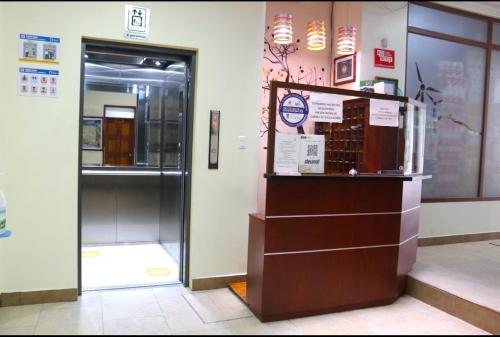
(282, 30)
(316, 35)
(346, 39)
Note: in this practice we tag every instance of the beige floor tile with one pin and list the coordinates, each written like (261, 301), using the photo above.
(70, 320)
(17, 331)
(162, 293)
(252, 326)
(19, 316)
(219, 331)
(125, 304)
(137, 326)
(217, 305)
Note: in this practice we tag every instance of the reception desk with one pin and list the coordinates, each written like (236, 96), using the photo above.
(330, 243)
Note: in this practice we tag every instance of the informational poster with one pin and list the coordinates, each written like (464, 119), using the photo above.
(286, 153)
(36, 48)
(136, 22)
(38, 82)
(326, 108)
(384, 112)
(312, 154)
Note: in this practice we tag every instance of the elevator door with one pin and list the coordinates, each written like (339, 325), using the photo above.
(133, 189)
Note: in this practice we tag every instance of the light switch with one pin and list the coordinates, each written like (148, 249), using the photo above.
(242, 142)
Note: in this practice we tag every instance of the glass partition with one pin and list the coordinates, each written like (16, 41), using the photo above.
(320, 130)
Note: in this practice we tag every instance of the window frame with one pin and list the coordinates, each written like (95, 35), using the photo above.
(489, 46)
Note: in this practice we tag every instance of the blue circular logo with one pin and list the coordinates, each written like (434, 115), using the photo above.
(293, 110)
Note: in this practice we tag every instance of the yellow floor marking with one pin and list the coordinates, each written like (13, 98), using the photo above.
(157, 271)
(91, 253)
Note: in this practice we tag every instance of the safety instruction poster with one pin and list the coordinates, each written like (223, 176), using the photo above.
(38, 82)
(36, 48)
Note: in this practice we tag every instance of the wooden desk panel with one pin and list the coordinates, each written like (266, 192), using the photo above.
(302, 262)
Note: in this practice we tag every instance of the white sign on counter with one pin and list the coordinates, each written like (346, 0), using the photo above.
(286, 153)
(312, 154)
(384, 112)
(326, 108)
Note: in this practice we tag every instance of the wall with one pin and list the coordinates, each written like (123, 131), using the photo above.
(42, 147)
(93, 106)
(299, 66)
(2, 137)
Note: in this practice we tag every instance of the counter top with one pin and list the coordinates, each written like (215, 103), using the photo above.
(346, 176)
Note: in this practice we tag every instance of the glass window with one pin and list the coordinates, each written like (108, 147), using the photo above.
(496, 33)
(449, 78)
(492, 154)
(448, 23)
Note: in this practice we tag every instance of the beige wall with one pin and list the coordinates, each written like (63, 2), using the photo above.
(2, 138)
(42, 147)
(93, 106)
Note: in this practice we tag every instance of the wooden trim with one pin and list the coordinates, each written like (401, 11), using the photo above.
(434, 200)
(483, 317)
(216, 282)
(38, 297)
(454, 10)
(460, 238)
(442, 36)
(486, 97)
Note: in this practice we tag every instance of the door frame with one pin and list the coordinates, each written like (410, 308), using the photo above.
(190, 57)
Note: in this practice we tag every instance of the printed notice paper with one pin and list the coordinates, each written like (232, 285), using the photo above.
(384, 113)
(326, 108)
(286, 153)
(312, 154)
(38, 82)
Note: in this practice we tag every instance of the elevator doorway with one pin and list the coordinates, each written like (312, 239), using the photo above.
(135, 156)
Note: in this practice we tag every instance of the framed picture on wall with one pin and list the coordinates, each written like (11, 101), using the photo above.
(344, 69)
(391, 85)
(92, 134)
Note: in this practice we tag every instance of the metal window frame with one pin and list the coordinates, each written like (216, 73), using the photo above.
(489, 47)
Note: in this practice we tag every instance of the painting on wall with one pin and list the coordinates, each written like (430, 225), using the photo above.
(344, 69)
(92, 134)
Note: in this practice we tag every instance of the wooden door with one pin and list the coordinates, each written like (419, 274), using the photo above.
(119, 141)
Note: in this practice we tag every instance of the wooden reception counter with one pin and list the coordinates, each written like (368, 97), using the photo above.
(331, 243)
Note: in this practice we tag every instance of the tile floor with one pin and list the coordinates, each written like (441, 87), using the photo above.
(176, 310)
(470, 270)
(105, 267)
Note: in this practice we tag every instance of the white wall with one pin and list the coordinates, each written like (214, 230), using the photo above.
(380, 20)
(42, 147)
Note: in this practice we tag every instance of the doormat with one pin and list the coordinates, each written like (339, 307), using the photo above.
(240, 290)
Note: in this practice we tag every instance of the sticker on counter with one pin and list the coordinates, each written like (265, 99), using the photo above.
(326, 108)
(36, 48)
(38, 82)
(384, 112)
(293, 110)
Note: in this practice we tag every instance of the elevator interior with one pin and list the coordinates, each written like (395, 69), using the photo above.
(133, 167)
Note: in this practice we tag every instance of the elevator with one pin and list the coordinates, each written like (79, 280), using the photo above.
(135, 157)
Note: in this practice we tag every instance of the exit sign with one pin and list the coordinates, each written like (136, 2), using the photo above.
(385, 58)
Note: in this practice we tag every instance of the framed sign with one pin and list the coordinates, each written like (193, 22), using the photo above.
(384, 58)
(344, 69)
(213, 142)
(391, 83)
(92, 134)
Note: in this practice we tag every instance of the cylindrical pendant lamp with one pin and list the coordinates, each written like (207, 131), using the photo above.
(282, 31)
(316, 35)
(346, 40)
